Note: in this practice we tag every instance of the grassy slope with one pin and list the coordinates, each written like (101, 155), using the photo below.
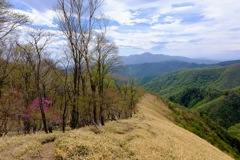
(148, 135)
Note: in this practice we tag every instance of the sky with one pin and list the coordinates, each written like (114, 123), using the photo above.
(192, 28)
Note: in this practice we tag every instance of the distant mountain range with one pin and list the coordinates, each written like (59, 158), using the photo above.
(147, 69)
(150, 69)
(154, 58)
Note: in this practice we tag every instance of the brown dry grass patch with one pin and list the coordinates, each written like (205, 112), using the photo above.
(149, 135)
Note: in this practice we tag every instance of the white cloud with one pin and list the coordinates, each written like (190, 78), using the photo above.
(216, 30)
(39, 18)
(170, 19)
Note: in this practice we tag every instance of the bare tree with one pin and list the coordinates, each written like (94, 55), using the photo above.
(25, 77)
(71, 28)
(9, 20)
(64, 90)
(34, 51)
(77, 20)
(10, 106)
(127, 87)
(6, 66)
(106, 59)
(66, 95)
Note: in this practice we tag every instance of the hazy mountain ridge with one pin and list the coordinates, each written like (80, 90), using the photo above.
(156, 68)
(226, 63)
(150, 69)
(154, 58)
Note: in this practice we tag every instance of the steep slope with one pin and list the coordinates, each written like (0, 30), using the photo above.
(184, 144)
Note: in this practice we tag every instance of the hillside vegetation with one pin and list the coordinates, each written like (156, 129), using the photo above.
(213, 92)
(75, 87)
(216, 77)
(150, 134)
(221, 107)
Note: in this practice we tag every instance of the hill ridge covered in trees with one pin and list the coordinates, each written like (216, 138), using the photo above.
(218, 77)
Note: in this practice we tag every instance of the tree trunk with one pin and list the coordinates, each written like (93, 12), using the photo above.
(74, 120)
(41, 103)
(1, 85)
(102, 119)
(63, 124)
(95, 116)
(64, 112)
(44, 121)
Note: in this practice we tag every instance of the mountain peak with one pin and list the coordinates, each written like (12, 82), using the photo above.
(146, 53)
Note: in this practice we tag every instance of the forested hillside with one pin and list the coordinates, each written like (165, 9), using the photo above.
(211, 91)
(216, 77)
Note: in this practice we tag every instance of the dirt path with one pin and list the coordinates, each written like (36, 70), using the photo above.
(48, 151)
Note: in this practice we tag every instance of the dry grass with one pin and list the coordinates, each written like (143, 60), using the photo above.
(148, 135)
(24, 146)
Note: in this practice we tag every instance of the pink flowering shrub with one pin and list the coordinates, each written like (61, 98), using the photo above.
(36, 104)
(57, 119)
(26, 115)
(33, 111)
(35, 107)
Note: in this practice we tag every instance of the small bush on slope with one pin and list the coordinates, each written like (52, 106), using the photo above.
(235, 131)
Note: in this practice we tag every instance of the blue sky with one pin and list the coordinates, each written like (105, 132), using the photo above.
(192, 28)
